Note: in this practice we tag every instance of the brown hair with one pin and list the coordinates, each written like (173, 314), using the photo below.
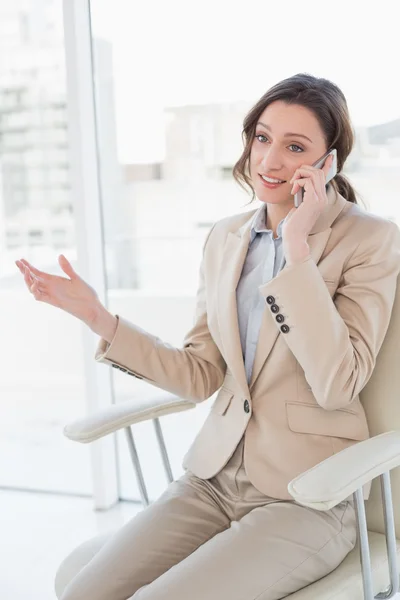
(327, 102)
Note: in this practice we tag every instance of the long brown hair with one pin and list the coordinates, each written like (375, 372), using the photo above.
(327, 102)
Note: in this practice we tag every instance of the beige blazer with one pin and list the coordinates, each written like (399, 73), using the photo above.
(324, 322)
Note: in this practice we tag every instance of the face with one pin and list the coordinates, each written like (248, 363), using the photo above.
(286, 137)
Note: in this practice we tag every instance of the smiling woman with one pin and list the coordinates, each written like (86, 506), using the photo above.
(153, 167)
(253, 336)
(293, 124)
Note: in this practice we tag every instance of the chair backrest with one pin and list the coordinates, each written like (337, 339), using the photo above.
(381, 401)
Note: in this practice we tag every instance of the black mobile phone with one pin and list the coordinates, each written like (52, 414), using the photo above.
(298, 197)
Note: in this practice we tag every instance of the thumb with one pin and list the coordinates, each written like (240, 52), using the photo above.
(66, 267)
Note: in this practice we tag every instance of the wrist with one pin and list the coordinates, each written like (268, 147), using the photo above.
(296, 252)
(104, 323)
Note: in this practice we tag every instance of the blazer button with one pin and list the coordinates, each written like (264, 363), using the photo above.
(284, 328)
(280, 318)
(270, 299)
(275, 308)
(246, 406)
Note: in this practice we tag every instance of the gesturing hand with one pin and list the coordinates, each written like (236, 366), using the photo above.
(72, 294)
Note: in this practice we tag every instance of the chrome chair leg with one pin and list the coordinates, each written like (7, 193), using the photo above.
(163, 450)
(365, 556)
(136, 462)
(136, 465)
(391, 545)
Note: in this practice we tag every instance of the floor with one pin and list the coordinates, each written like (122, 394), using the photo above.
(39, 530)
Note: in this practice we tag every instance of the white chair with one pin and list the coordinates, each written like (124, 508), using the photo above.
(371, 569)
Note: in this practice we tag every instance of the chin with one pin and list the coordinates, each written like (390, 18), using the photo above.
(272, 196)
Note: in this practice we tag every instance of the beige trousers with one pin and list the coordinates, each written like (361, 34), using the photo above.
(217, 539)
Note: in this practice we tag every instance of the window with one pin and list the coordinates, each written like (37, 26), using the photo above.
(42, 380)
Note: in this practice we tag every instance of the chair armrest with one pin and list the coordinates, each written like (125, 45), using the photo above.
(334, 479)
(118, 416)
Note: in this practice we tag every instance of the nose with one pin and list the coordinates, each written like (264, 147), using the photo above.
(272, 160)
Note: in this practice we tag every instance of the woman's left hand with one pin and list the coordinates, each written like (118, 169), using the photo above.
(301, 220)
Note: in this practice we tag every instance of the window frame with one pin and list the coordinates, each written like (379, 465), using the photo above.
(86, 200)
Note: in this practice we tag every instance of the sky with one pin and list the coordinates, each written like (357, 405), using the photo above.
(179, 52)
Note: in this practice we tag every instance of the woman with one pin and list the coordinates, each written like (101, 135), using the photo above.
(292, 308)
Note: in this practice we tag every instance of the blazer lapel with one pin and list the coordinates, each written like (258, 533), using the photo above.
(317, 241)
(233, 257)
(269, 331)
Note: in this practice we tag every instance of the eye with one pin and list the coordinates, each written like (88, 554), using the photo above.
(262, 139)
(296, 146)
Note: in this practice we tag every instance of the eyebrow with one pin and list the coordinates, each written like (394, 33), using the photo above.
(287, 134)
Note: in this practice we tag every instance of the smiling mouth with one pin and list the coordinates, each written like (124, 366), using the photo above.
(272, 180)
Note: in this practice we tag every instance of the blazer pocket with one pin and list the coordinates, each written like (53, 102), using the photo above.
(222, 401)
(341, 423)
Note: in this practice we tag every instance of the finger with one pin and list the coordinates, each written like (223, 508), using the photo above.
(327, 165)
(21, 266)
(27, 276)
(33, 270)
(297, 173)
(306, 171)
(39, 284)
(306, 181)
(298, 183)
(38, 292)
(35, 284)
(67, 267)
(34, 287)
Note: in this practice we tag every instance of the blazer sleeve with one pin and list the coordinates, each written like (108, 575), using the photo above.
(193, 372)
(336, 342)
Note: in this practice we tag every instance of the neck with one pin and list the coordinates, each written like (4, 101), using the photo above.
(275, 214)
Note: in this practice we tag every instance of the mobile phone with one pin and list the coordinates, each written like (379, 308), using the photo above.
(298, 197)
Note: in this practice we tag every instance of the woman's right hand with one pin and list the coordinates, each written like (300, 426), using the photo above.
(71, 294)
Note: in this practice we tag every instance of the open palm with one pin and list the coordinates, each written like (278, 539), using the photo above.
(71, 294)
